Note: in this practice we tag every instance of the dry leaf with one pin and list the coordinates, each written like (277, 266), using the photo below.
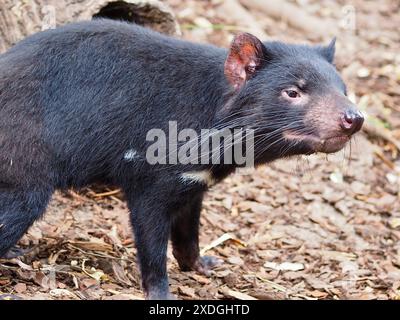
(220, 240)
(20, 287)
(59, 293)
(120, 274)
(286, 266)
(236, 260)
(394, 223)
(237, 295)
(92, 245)
(124, 296)
(187, 291)
(318, 294)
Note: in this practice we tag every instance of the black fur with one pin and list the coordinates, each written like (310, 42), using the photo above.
(74, 99)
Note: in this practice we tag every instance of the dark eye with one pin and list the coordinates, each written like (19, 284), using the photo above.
(292, 94)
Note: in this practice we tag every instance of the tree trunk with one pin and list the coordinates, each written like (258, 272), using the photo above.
(19, 18)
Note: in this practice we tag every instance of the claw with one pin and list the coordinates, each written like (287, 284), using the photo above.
(204, 264)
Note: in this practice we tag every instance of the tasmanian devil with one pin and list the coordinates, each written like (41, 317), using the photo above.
(77, 104)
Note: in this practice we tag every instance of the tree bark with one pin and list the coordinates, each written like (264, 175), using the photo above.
(20, 18)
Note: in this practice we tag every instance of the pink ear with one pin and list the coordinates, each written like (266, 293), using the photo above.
(244, 58)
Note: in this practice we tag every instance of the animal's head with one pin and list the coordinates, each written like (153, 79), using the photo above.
(292, 95)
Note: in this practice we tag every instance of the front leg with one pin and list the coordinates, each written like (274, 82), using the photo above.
(151, 224)
(185, 238)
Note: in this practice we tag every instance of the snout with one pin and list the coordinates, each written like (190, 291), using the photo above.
(334, 121)
(351, 121)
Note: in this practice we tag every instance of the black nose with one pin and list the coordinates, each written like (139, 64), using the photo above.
(352, 121)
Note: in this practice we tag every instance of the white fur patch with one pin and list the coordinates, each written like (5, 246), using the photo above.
(130, 155)
(204, 177)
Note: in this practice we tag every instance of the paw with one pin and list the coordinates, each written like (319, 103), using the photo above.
(15, 252)
(205, 264)
(157, 295)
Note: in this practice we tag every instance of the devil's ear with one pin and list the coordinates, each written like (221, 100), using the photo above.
(245, 57)
(328, 52)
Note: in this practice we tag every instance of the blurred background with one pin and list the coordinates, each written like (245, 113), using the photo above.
(319, 227)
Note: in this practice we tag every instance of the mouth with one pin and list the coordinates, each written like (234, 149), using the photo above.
(317, 144)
